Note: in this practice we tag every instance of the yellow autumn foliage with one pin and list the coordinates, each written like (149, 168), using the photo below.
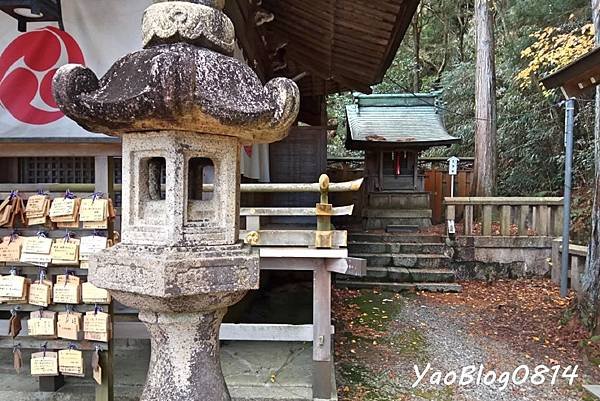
(553, 49)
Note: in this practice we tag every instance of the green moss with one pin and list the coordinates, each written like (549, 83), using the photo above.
(355, 375)
(378, 309)
(445, 394)
(411, 343)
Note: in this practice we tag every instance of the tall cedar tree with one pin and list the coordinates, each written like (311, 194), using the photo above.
(484, 180)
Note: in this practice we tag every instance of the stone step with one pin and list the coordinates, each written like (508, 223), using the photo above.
(397, 213)
(395, 237)
(433, 261)
(390, 228)
(405, 275)
(396, 200)
(381, 223)
(397, 247)
(398, 287)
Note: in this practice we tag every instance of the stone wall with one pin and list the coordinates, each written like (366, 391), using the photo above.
(489, 258)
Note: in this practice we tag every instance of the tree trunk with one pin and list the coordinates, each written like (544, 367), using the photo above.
(591, 278)
(484, 177)
(417, 51)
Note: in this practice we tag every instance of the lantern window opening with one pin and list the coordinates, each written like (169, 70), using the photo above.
(201, 179)
(153, 170)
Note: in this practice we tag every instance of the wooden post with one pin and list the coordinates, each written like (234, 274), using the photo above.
(542, 228)
(487, 220)
(324, 236)
(104, 174)
(252, 223)
(505, 221)
(556, 260)
(523, 216)
(450, 212)
(322, 361)
(104, 179)
(468, 219)
(105, 391)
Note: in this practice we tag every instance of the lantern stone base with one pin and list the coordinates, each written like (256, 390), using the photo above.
(184, 363)
(182, 295)
(176, 279)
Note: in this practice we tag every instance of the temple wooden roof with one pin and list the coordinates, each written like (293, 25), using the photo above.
(334, 44)
(577, 78)
(390, 122)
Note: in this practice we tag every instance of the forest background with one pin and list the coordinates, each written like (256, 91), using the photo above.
(533, 38)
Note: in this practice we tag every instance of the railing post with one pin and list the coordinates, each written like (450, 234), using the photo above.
(324, 236)
(543, 220)
(556, 260)
(523, 216)
(505, 221)
(575, 274)
(557, 220)
(486, 229)
(468, 219)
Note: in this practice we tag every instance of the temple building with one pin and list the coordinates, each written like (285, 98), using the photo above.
(393, 130)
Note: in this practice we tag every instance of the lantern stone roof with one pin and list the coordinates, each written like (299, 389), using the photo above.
(391, 121)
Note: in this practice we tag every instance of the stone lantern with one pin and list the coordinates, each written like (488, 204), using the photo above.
(180, 104)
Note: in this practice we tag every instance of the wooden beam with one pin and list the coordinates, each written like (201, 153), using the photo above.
(349, 266)
(295, 252)
(499, 201)
(232, 332)
(293, 211)
(59, 149)
(293, 238)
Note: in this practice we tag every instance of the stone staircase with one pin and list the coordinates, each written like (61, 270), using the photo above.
(402, 261)
(397, 211)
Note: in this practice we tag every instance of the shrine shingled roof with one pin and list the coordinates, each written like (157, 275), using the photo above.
(396, 120)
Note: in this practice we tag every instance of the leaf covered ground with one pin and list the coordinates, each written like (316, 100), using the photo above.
(382, 336)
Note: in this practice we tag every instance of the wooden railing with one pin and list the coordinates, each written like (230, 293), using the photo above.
(323, 237)
(515, 216)
(577, 259)
(349, 186)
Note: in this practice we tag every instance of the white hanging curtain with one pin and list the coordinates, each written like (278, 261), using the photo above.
(255, 162)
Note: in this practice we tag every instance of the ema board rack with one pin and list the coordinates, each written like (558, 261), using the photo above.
(50, 315)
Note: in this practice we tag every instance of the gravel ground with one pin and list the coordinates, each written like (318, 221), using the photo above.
(382, 367)
(450, 347)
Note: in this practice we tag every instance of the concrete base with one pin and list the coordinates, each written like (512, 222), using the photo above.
(501, 257)
(254, 371)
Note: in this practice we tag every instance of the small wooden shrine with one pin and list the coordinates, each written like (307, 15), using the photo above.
(393, 129)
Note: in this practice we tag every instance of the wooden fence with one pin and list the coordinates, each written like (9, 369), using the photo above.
(577, 259)
(437, 183)
(508, 216)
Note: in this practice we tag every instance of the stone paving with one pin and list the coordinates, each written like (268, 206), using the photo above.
(254, 371)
